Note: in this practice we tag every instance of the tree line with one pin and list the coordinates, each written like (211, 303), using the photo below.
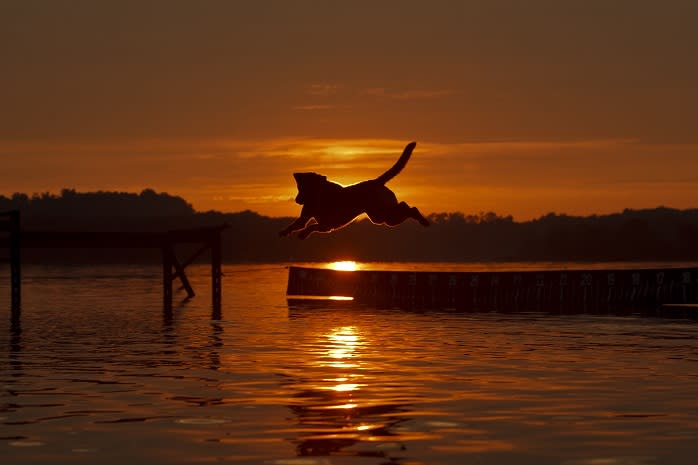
(648, 234)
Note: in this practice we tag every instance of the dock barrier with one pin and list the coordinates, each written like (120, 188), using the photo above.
(652, 291)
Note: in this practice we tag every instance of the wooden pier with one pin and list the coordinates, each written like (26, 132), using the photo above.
(656, 291)
(207, 238)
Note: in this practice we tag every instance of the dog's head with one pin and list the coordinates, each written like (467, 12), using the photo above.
(309, 185)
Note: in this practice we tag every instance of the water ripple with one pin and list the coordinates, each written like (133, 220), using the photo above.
(268, 383)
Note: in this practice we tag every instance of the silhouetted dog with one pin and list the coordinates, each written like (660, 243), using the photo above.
(333, 206)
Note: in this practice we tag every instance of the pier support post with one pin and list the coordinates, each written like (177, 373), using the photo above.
(15, 265)
(167, 255)
(216, 275)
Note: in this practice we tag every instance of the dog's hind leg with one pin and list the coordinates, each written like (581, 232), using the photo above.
(417, 215)
(401, 213)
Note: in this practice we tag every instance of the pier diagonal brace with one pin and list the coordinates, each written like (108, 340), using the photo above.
(179, 273)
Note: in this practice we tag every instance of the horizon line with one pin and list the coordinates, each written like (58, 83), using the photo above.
(39, 196)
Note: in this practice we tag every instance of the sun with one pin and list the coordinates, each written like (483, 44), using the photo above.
(346, 265)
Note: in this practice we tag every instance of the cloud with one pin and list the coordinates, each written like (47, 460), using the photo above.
(319, 94)
(412, 94)
(314, 107)
(322, 93)
(322, 89)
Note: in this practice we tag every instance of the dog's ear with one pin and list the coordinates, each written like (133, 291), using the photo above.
(304, 178)
(303, 184)
(300, 177)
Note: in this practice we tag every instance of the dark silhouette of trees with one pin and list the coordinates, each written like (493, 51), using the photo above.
(649, 234)
(98, 204)
(73, 210)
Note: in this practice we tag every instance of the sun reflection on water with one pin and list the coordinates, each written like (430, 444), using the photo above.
(345, 387)
(343, 404)
(343, 342)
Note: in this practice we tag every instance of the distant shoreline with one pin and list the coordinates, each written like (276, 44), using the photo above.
(659, 234)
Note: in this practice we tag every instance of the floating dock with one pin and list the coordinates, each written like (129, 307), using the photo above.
(655, 291)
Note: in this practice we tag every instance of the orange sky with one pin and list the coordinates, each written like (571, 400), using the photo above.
(521, 108)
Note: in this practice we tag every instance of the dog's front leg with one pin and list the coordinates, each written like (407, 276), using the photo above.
(314, 227)
(295, 226)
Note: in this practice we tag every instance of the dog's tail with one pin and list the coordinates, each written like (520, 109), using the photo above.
(398, 166)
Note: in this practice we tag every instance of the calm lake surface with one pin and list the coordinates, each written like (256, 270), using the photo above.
(96, 372)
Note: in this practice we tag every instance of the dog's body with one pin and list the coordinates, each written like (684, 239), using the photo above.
(333, 206)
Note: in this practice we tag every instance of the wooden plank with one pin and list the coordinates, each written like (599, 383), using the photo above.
(82, 239)
(114, 239)
(322, 282)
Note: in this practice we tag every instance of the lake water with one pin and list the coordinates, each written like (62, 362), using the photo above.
(96, 372)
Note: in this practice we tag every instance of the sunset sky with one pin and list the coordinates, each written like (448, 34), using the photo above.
(518, 107)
